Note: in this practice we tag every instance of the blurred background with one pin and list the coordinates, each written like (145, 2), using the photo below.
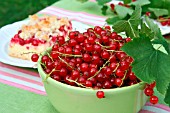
(15, 10)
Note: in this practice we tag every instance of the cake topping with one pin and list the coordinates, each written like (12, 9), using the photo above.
(43, 28)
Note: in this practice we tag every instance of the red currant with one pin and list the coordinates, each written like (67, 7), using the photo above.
(34, 57)
(148, 91)
(154, 99)
(100, 94)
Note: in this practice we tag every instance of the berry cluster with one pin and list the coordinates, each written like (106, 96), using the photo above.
(112, 6)
(92, 59)
(164, 21)
(150, 92)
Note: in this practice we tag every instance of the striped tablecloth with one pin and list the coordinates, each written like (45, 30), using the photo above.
(29, 79)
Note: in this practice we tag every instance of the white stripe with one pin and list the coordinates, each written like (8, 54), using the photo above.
(20, 74)
(76, 14)
(28, 84)
(154, 109)
(74, 17)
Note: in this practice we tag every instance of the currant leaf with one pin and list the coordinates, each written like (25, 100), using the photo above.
(151, 64)
(127, 1)
(104, 9)
(167, 96)
(159, 12)
(82, 1)
(162, 4)
(102, 2)
(129, 26)
(122, 11)
(112, 20)
(145, 31)
(157, 34)
(140, 2)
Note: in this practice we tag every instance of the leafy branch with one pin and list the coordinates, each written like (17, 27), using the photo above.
(151, 63)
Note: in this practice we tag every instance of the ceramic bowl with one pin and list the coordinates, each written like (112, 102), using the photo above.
(71, 99)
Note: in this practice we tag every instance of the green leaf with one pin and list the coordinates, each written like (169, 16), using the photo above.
(159, 12)
(104, 9)
(112, 20)
(149, 63)
(145, 31)
(162, 4)
(127, 1)
(122, 11)
(140, 2)
(163, 42)
(82, 1)
(102, 2)
(167, 96)
(129, 26)
(157, 34)
(154, 27)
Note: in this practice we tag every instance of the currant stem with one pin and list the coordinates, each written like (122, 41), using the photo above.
(43, 65)
(102, 45)
(28, 53)
(116, 67)
(76, 83)
(164, 20)
(62, 54)
(65, 62)
(50, 56)
(113, 50)
(124, 76)
(48, 75)
(100, 69)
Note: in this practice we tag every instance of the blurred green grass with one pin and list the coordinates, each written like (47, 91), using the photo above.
(15, 10)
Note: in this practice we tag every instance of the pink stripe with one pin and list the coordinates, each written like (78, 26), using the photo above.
(54, 13)
(145, 111)
(92, 15)
(23, 87)
(79, 14)
(20, 78)
(19, 69)
(161, 106)
(92, 0)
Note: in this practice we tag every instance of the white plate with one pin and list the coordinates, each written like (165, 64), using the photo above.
(8, 31)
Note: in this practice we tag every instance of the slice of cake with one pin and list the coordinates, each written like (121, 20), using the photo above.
(38, 35)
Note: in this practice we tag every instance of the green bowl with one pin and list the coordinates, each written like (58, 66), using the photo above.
(70, 99)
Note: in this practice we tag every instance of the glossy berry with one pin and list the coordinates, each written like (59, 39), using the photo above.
(84, 67)
(112, 6)
(97, 29)
(120, 73)
(154, 99)
(34, 57)
(118, 82)
(152, 85)
(88, 83)
(72, 35)
(100, 94)
(164, 23)
(61, 40)
(86, 57)
(148, 91)
(75, 74)
(105, 55)
(147, 13)
(128, 39)
(107, 85)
